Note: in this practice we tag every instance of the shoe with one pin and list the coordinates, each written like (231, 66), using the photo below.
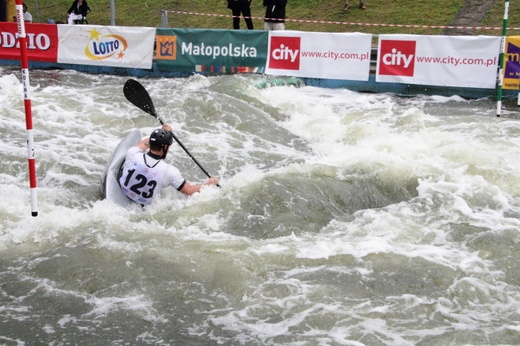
(362, 6)
(347, 7)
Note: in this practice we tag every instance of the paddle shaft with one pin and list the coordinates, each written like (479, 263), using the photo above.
(186, 150)
(138, 96)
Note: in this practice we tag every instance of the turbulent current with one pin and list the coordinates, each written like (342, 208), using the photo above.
(343, 218)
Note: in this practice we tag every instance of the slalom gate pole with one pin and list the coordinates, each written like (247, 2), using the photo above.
(502, 56)
(22, 39)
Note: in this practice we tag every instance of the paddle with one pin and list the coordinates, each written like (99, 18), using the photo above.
(138, 96)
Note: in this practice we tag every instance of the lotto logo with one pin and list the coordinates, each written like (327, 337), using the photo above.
(397, 58)
(285, 53)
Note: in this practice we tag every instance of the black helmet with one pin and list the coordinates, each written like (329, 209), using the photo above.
(161, 137)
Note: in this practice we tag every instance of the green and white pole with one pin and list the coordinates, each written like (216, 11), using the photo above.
(501, 60)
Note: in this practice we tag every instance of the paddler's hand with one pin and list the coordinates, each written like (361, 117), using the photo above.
(167, 127)
(211, 181)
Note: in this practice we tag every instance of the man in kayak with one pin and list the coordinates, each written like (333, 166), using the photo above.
(145, 174)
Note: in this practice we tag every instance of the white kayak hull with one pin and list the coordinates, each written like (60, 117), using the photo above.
(109, 186)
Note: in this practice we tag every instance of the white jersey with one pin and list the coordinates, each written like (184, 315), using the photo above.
(143, 177)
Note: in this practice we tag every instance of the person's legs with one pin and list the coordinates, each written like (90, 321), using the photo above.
(278, 26)
(73, 17)
(347, 7)
(246, 11)
(249, 21)
(236, 18)
(271, 26)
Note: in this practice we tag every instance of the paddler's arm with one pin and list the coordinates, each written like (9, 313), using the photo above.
(189, 189)
(144, 144)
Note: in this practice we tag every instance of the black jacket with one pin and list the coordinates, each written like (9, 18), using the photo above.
(275, 9)
(83, 9)
(232, 3)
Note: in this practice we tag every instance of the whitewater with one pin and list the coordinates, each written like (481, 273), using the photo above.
(343, 218)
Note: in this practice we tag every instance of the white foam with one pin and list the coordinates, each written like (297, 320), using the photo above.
(433, 254)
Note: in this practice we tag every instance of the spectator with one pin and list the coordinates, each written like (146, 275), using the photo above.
(27, 17)
(274, 14)
(241, 7)
(78, 11)
(361, 5)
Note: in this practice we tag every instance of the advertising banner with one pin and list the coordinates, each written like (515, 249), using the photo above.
(512, 63)
(42, 42)
(456, 61)
(218, 51)
(106, 45)
(319, 55)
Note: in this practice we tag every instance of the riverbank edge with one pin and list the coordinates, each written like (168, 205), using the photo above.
(262, 81)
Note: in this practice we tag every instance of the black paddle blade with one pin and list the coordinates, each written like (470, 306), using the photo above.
(138, 96)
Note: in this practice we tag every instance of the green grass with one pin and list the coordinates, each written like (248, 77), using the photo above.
(304, 15)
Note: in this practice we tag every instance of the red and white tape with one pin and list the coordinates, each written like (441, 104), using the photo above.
(357, 23)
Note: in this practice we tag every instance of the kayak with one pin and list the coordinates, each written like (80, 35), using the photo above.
(109, 185)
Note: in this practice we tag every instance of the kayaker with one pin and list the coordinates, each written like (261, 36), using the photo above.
(145, 173)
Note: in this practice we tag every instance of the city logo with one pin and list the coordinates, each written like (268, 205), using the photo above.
(512, 68)
(397, 58)
(166, 47)
(284, 53)
(102, 47)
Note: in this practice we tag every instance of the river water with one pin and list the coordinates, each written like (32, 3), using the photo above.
(344, 218)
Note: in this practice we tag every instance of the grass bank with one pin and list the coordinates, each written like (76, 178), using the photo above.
(304, 15)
